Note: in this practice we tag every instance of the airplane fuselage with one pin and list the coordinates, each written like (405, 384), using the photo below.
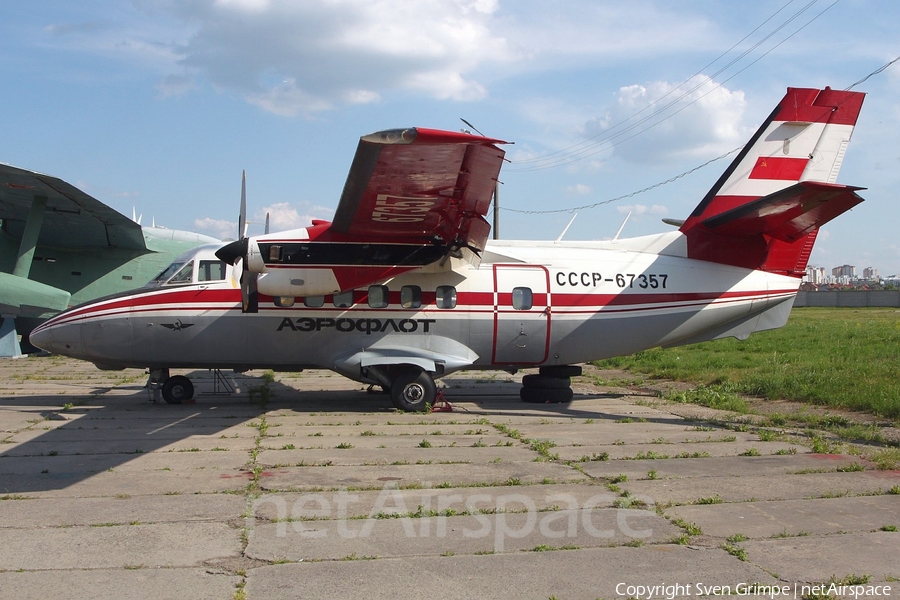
(527, 304)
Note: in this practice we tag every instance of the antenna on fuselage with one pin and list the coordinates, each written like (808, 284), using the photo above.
(569, 224)
(622, 226)
(267, 223)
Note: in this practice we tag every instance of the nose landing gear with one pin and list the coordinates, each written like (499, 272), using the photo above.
(175, 390)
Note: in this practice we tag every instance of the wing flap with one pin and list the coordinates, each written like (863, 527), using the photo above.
(419, 185)
(788, 214)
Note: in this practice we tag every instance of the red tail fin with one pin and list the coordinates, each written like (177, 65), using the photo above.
(759, 215)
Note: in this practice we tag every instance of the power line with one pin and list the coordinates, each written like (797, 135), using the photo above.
(688, 172)
(572, 148)
(594, 146)
(611, 200)
(875, 72)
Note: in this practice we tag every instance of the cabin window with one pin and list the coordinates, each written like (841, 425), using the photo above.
(445, 296)
(522, 298)
(283, 301)
(378, 296)
(410, 296)
(314, 301)
(184, 275)
(343, 300)
(211, 270)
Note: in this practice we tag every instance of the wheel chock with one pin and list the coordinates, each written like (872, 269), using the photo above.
(441, 404)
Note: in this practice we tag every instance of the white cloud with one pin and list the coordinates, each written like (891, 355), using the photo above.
(640, 210)
(579, 189)
(660, 121)
(293, 58)
(219, 228)
(283, 216)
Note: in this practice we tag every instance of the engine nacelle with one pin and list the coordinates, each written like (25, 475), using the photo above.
(302, 281)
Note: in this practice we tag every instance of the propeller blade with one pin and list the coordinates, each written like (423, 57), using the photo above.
(249, 293)
(242, 218)
(237, 272)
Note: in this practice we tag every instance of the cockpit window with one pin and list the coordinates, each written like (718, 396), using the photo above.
(168, 272)
(211, 270)
(184, 275)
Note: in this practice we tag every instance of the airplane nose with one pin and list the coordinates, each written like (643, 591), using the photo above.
(42, 338)
(58, 338)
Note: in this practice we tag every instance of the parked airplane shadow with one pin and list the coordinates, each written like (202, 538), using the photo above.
(102, 431)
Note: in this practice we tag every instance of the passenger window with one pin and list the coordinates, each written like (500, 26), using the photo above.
(211, 270)
(314, 301)
(410, 296)
(184, 275)
(343, 300)
(445, 296)
(378, 296)
(522, 298)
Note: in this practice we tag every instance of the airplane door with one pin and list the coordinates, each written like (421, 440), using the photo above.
(521, 314)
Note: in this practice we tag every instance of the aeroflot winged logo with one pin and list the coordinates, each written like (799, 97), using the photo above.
(177, 325)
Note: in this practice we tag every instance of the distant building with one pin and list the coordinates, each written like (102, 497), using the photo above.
(870, 274)
(844, 271)
(843, 274)
(815, 275)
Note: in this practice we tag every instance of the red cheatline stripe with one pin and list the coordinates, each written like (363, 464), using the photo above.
(780, 168)
(191, 300)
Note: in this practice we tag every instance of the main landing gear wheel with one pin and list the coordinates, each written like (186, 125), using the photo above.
(551, 386)
(546, 382)
(546, 396)
(413, 390)
(561, 370)
(177, 389)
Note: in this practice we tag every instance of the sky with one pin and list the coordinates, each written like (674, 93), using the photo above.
(156, 106)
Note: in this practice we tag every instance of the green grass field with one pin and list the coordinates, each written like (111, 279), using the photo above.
(843, 357)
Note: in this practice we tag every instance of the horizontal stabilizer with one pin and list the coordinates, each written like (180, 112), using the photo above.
(788, 214)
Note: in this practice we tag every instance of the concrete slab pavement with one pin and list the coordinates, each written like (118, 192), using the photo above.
(327, 492)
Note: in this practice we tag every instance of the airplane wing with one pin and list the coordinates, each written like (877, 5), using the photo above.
(420, 185)
(72, 219)
(789, 214)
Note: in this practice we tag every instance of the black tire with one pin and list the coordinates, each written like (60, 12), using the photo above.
(413, 390)
(545, 382)
(177, 389)
(561, 371)
(551, 396)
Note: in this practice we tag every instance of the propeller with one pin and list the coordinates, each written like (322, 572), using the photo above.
(235, 254)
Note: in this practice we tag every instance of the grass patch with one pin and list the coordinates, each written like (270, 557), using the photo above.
(733, 550)
(848, 358)
(715, 499)
(887, 459)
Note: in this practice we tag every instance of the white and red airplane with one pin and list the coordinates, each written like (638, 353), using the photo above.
(403, 287)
